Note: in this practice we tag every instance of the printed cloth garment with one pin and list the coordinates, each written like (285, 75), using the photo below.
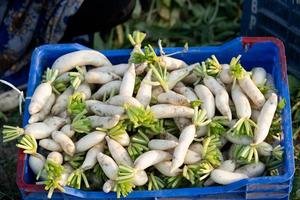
(25, 24)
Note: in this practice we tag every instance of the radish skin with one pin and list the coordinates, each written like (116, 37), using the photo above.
(264, 149)
(104, 122)
(140, 178)
(127, 85)
(123, 139)
(80, 58)
(62, 101)
(177, 75)
(40, 116)
(67, 130)
(186, 138)
(252, 170)
(190, 79)
(182, 122)
(241, 102)
(171, 111)
(173, 98)
(150, 158)
(120, 100)
(145, 91)
(196, 147)
(85, 89)
(55, 123)
(108, 186)
(39, 98)
(38, 130)
(172, 63)
(225, 74)
(118, 152)
(201, 131)
(89, 140)
(254, 114)
(207, 99)
(91, 157)
(55, 157)
(187, 92)
(107, 88)
(158, 144)
(9, 100)
(103, 109)
(191, 157)
(36, 163)
(243, 139)
(224, 177)
(50, 145)
(119, 69)
(108, 165)
(157, 90)
(165, 169)
(64, 141)
(264, 120)
(97, 77)
(249, 87)
(259, 76)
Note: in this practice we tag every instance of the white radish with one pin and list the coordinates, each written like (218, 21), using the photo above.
(127, 85)
(140, 178)
(264, 120)
(119, 69)
(120, 100)
(221, 96)
(242, 105)
(241, 139)
(107, 88)
(64, 141)
(85, 89)
(264, 149)
(187, 92)
(173, 98)
(190, 79)
(224, 177)
(108, 165)
(62, 101)
(140, 68)
(225, 74)
(150, 158)
(254, 114)
(252, 170)
(171, 63)
(270, 84)
(207, 100)
(177, 75)
(123, 139)
(89, 140)
(54, 122)
(55, 157)
(38, 130)
(69, 61)
(97, 77)
(182, 122)
(9, 100)
(104, 122)
(118, 152)
(171, 111)
(36, 163)
(169, 136)
(186, 138)
(42, 93)
(50, 145)
(145, 91)
(201, 131)
(90, 103)
(66, 173)
(259, 75)
(157, 90)
(159, 144)
(40, 116)
(196, 147)
(192, 157)
(249, 87)
(108, 186)
(103, 109)
(165, 169)
(68, 130)
(91, 157)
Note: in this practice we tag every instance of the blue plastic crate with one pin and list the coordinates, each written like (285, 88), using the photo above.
(278, 18)
(265, 52)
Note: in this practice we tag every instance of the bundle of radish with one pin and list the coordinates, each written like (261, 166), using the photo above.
(155, 122)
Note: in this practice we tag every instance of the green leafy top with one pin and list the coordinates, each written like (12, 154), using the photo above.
(200, 117)
(236, 69)
(29, 144)
(210, 151)
(81, 124)
(124, 181)
(76, 78)
(76, 104)
(51, 75)
(213, 66)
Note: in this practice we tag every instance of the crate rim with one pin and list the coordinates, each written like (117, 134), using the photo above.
(246, 42)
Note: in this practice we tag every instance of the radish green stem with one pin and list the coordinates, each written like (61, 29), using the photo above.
(76, 103)
(76, 77)
(155, 183)
(81, 124)
(124, 181)
(76, 177)
(11, 132)
(29, 144)
(213, 66)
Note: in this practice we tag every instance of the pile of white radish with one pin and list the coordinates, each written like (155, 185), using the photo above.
(155, 122)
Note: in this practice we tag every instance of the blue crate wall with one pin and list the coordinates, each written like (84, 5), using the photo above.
(278, 18)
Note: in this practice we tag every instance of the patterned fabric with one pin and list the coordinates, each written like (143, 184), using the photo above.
(25, 24)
